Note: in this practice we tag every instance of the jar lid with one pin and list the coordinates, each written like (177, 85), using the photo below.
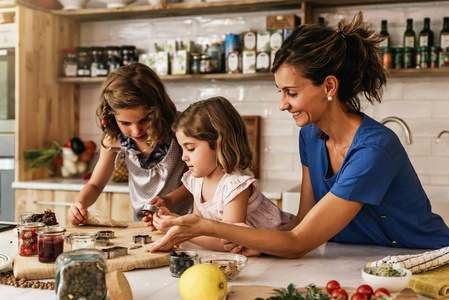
(387, 49)
(408, 49)
(51, 230)
(424, 48)
(435, 48)
(399, 49)
(31, 225)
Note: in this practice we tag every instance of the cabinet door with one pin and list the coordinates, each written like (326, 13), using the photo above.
(121, 209)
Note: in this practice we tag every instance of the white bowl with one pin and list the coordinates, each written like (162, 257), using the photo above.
(231, 264)
(73, 4)
(117, 3)
(392, 284)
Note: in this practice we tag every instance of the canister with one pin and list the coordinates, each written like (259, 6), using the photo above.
(387, 58)
(409, 61)
(434, 53)
(50, 243)
(399, 58)
(80, 240)
(424, 57)
(27, 236)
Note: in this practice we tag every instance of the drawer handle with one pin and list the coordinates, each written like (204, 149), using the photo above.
(52, 203)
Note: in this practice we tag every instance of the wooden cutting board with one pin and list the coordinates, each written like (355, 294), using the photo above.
(30, 268)
(245, 292)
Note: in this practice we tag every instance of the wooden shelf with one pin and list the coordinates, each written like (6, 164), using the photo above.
(180, 78)
(175, 9)
(419, 72)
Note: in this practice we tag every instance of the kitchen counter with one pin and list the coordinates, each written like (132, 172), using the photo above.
(272, 188)
(342, 262)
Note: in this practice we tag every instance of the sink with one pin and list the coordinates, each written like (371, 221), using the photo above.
(290, 199)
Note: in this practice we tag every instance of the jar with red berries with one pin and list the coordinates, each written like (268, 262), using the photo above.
(50, 243)
(27, 236)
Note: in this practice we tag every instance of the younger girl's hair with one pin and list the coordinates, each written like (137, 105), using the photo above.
(350, 53)
(216, 121)
(135, 86)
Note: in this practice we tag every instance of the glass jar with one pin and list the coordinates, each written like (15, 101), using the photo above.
(83, 62)
(399, 58)
(70, 62)
(387, 57)
(181, 261)
(114, 60)
(409, 61)
(205, 66)
(27, 236)
(434, 53)
(80, 274)
(128, 55)
(98, 65)
(424, 57)
(81, 240)
(195, 66)
(418, 57)
(50, 242)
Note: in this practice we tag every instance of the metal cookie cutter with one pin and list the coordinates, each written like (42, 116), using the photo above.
(106, 233)
(114, 252)
(149, 209)
(142, 239)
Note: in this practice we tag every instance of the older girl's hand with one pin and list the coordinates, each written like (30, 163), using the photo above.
(77, 214)
(180, 229)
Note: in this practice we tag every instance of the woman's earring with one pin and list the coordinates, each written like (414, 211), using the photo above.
(329, 98)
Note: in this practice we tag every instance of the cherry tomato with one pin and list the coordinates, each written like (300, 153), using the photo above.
(331, 286)
(28, 252)
(339, 294)
(381, 291)
(365, 290)
(358, 296)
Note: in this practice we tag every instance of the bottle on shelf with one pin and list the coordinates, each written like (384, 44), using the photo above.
(409, 35)
(384, 33)
(426, 35)
(444, 34)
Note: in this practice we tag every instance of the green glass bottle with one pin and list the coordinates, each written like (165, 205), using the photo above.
(444, 34)
(384, 33)
(426, 35)
(409, 35)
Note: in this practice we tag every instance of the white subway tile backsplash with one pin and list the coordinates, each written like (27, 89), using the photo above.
(423, 101)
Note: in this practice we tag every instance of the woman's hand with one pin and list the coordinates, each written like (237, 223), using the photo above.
(239, 249)
(180, 229)
(77, 214)
(148, 219)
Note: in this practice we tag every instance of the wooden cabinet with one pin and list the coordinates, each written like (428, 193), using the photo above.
(115, 205)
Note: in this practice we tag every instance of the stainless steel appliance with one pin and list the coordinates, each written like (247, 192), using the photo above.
(6, 177)
(7, 77)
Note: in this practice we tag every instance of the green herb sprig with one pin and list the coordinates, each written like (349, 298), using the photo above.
(42, 157)
(291, 293)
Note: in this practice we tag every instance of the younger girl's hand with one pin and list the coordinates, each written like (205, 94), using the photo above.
(163, 214)
(77, 214)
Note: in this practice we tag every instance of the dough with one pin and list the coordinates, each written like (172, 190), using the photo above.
(97, 218)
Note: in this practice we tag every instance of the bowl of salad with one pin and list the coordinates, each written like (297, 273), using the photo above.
(385, 276)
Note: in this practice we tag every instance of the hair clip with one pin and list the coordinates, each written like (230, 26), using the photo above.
(343, 35)
(103, 122)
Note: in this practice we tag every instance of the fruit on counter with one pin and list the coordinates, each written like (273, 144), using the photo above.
(365, 290)
(332, 285)
(381, 293)
(339, 294)
(203, 281)
(77, 145)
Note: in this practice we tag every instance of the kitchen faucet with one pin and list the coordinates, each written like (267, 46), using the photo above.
(408, 133)
(439, 135)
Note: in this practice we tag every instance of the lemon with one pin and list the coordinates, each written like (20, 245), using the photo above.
(203, 282)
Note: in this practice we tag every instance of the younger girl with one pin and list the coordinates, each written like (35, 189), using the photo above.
(136, 114)
(216, 149)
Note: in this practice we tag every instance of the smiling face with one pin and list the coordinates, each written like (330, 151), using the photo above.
(306, 102)
(133, 123)
(198, 155)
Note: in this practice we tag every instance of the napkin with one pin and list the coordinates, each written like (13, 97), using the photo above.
(416, 263)
(433, 284)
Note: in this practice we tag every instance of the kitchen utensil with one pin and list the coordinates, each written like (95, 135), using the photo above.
(142, 239)
(114, 252)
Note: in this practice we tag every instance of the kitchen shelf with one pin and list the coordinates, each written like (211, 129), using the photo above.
(175, 10)
(180, 78)
(247, 77)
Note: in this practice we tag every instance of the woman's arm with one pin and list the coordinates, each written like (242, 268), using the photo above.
(328, 217)
(233, 212)
(88, 195)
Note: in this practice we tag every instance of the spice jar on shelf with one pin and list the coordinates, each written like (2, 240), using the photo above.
(98, 66)
(83, 62)
(69, 62)
(434, 55)
(205, 66)
(128, 55)
(398, 58)
(114, 60)
(81, 274)
(50, 243)
(27, 236)
(387, 57)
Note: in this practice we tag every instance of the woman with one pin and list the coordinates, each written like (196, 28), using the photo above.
(358, 184)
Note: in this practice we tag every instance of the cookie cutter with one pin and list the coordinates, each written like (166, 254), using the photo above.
(114, 252)
(106, 233)
(142, 239)
(102, 241)
(150, 209)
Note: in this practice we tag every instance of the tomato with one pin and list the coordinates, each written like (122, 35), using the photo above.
(58, 160)
(90, 146)
(365, 290)
(358, 296)
(28, 252)
(339, 294)
(331, 286)
(380, 292)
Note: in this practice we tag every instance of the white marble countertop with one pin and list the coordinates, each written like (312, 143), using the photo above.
(271, 188)
(342, 262)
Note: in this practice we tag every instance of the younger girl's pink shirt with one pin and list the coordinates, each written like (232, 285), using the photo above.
(261, 213)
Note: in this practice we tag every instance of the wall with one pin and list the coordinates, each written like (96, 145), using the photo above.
(423, 102)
